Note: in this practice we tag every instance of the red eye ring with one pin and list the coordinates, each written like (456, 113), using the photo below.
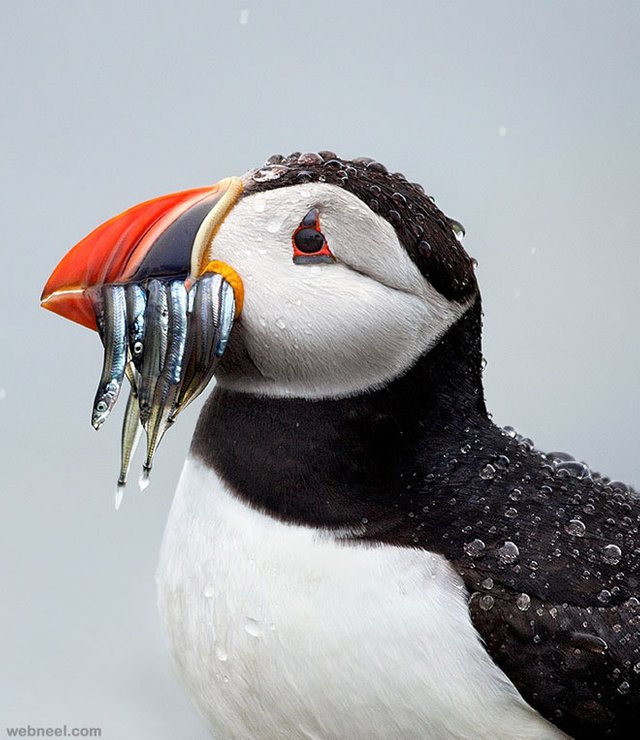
(309, 243)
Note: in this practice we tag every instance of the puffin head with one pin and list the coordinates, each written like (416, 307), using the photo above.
(344, 276)
(351, 273)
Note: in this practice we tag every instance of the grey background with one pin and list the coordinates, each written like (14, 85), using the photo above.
(522, 118)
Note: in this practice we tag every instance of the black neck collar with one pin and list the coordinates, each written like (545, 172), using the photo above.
(334, 462)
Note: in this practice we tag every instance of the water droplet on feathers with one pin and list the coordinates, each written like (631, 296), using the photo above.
(575, 528)
(252, 627)
(269, 173)
(475, 548)
(487, 472)
(612, 554)
(508, 553)
(486, 602)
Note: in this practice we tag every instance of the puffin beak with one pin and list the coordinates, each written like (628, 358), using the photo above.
(166, 236)
(146, 280)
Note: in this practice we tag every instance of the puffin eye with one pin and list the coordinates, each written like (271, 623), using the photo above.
(309, 244)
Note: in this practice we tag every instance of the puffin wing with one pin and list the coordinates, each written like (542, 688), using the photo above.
(562, 659)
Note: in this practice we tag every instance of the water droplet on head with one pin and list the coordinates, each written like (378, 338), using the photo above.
(523, 602)
(487, 472)
(501, 462)
(511, 513)
(618, 485)
(572, 469)
(424, 248)
(259, 203)
(487, 583)
(274, 224)
(458, 229)
(377, 167)
(394, 217)
(309, 159)
(269, 173)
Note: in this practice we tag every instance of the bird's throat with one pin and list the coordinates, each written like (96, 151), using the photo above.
(334, 462)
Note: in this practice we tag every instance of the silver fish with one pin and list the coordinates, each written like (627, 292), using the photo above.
(168, 384)
(110, 308)
(210, 321)
(136, 304)
(131, 429)
(156, 320)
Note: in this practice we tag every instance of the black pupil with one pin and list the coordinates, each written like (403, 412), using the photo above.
(309, 240)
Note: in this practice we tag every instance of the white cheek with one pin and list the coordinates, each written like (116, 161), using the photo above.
(326, 330)
(322, 331)
(338, 335)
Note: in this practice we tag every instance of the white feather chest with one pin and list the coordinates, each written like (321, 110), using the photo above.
(279, 631)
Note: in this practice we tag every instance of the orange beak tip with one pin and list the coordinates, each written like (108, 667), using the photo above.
(155, 236)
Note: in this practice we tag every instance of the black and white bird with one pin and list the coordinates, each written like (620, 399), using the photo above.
(355, 550)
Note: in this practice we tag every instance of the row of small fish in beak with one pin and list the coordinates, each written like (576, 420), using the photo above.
(167, 337)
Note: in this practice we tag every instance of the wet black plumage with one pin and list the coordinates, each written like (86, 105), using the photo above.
(548, 550)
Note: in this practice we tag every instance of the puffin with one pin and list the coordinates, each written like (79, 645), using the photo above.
(355, 549)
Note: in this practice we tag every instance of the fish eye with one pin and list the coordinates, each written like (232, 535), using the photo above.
(102, 406)
(309, 243)
(137, 347)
